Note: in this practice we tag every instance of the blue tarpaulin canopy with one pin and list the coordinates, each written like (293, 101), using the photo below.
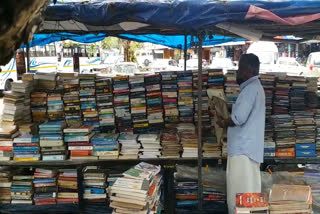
(166, 22)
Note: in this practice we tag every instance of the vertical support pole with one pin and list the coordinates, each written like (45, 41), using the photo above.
(200, 186)
(185, 52)
(28, 58)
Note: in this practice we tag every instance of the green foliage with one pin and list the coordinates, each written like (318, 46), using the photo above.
(92, 49)
(111, 42)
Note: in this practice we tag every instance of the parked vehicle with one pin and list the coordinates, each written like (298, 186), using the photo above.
(313, 64)
(126, 68)
(268, 55)
(290, 66)
(164, 65)
(222, 63)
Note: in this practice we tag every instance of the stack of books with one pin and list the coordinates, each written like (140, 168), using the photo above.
(129, 146)
(290, 198)
(26, 148)
(71, 102)
(79, 142)
(55, 106)
(297, 93)
(105, 145)
(232, 88)
(269, 143)
(185, 97)
(22, 188)
(284, 133)
(26, 88)
(88, 100)
(5, 185)
(281, 96)
(312, 100)
(188, 139)
(317, 122)
(215, 79)
(154, 103)
(39, 106)
(45, 80)
(13, 108)
(268, 81)
(67, 187)
(150, 145)
(169, 86)
(211, 147)
(138, 105)
(138, 191)
(252, 203)
(104, 99)
(51, 140)
(170, 142)
(121, 103)
(7, 134)
(305, 134)
(45, 186)
(95, 185)
(206, 122)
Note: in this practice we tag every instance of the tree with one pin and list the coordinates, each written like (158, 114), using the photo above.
(92, 49)
(110, 42)
(129, 49)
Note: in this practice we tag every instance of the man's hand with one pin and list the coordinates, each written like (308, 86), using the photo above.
(220, 122)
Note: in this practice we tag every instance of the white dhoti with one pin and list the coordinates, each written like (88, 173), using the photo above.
(243, 176)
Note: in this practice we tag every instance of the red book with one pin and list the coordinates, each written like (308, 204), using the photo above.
(251, 201)
(67, 201)
(79, 144)
(6, 148)
(67, 178)
(81, 153)
(154, 94)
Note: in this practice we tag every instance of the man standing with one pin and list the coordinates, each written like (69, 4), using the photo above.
(245, 132)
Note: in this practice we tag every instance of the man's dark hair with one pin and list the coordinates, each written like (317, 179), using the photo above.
(252, 61)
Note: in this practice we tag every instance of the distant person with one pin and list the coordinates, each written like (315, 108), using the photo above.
(245, 132)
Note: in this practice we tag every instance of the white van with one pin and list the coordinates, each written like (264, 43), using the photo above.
(268, 54)
(313, 64)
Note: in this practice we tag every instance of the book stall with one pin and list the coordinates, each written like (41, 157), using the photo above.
(86, 143)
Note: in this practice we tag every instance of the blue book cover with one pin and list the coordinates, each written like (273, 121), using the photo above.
(51, 124)
(47, 180)
(95, 190)
(27, 156)
(55, 102)
(51, 137)
(25, 148)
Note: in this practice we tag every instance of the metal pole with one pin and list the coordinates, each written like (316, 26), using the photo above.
(28, 58)
(185, 52)
(200, 186)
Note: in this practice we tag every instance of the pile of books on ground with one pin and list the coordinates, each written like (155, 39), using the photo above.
(170, 142)
(284, 134)
(185, 97)
(22, 187)
(150, 145)
(26, 148)
(138, 191)
(215, 79)
(232, 88)
(7, 134)
(105, 145)
(45, 186)
(311, 97)
(51, 140)
(281, 96)
(169, 86)
(290, 199)
(267, 81)
(39, 106)
(297, 93)
(88, 101)
(121, 103)
(71, 101)
(206, 122)
(79, 142)
(104, 99)
(154, 103)
(94, 182)
(188, 139)
(67, 187)
(13, 108)
(138, 105)
(129, 146)
(305, 134)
